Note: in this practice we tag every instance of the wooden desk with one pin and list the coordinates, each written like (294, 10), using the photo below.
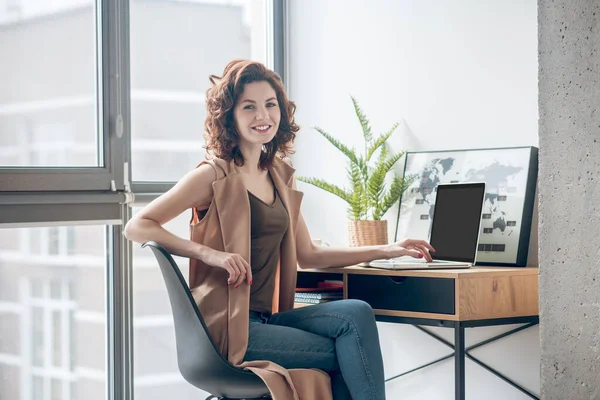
(457, 298)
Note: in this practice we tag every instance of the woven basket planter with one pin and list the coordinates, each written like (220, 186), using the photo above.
(367, 233)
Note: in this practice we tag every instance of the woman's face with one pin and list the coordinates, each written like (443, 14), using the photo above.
(257, 114)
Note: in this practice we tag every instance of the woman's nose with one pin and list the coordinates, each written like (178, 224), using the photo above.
(261, 113)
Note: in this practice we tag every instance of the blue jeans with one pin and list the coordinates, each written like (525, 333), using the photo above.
(339, 337)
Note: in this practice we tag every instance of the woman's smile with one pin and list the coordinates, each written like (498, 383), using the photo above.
(262, 128)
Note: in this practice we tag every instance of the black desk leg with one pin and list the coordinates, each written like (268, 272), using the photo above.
(459, 361)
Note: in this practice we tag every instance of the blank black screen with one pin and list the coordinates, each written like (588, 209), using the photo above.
(456, 221)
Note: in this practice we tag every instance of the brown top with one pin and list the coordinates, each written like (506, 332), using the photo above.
(268, 224)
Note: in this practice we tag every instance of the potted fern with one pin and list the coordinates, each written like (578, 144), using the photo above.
(370, 194)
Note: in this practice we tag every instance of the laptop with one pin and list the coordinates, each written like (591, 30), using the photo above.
(455, 229)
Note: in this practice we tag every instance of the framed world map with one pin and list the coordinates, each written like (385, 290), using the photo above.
(510, 175)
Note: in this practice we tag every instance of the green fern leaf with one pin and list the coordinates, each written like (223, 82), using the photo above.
(381, 140)
(390, 197)
(340, 146)
(398, 186)
(389, 163)
(376, 182)
(321, 184)
(380, 164)
(364, 122)
(358, 199)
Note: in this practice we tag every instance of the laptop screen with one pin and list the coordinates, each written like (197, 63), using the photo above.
(456, 221)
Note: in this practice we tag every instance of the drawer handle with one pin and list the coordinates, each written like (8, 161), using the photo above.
(397, 279)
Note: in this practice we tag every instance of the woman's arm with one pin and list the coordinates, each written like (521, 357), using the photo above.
(194, 189)
(313, 256)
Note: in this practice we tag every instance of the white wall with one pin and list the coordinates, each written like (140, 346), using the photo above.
(456, 74)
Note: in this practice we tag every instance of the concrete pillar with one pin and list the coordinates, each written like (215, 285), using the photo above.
(569, 198)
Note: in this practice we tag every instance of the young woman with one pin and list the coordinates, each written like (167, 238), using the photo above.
(248, 237)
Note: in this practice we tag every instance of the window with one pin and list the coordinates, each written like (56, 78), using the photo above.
(196, 39)
(52, 316)
(57, 105)
(48, 97)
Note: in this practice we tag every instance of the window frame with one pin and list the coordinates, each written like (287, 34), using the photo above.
(112, 91)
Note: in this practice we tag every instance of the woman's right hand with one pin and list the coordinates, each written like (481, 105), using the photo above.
(234, 264)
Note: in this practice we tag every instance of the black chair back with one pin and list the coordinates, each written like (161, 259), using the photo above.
(199, 360)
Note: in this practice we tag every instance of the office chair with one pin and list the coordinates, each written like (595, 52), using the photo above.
(199, 360)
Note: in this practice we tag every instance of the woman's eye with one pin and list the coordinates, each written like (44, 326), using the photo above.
(271, 105)
(248, 107)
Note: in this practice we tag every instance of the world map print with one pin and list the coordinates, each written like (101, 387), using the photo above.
(505, 174)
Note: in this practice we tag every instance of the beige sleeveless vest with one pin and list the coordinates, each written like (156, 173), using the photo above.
(225, 226)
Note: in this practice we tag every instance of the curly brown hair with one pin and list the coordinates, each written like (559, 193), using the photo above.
(221, 134)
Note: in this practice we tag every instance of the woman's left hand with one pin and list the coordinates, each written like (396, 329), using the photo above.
(411, 247)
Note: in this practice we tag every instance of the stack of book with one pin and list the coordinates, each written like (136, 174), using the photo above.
(325, 291)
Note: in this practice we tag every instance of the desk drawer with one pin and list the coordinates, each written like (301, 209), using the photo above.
(403, 293)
